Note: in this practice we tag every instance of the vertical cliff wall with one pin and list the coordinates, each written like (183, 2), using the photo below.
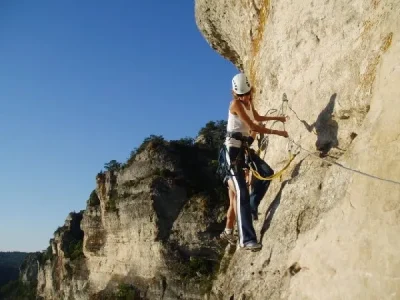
(148, 232)
(327, 233)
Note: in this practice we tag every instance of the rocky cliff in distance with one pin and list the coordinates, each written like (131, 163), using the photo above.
(328, 233)
(149, 230)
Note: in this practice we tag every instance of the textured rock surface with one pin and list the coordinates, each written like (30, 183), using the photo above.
(150, 232)
(327, 233)
(64, 275)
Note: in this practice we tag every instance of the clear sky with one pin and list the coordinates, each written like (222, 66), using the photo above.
(84, 82)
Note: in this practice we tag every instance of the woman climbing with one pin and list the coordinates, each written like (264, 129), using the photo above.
(227, 234)
(242, 119)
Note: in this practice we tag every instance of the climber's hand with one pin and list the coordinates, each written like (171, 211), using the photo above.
(284, 134)
(280, 133)
(282, 119)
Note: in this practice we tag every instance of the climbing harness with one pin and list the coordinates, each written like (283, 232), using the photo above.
(224, 168)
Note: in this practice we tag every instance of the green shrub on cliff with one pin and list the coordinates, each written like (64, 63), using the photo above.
(127, 292)
(93, 199)
(74, 249)
(46, 255)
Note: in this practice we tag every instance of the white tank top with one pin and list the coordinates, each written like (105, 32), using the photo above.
(235, 124)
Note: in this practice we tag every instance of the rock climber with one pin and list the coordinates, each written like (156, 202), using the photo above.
(227, 234)
(242, 118)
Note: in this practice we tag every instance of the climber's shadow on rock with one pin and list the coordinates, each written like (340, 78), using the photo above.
(275, 203)
(271, 210)
(326, 128)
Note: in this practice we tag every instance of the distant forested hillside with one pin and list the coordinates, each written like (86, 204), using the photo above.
(9, 265)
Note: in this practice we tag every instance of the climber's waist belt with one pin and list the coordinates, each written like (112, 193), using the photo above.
(239, 136)
(236, 135)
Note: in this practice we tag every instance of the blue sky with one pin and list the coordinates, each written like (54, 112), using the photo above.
(84, 82)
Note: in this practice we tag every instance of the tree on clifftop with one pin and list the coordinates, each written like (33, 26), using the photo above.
(112, 166)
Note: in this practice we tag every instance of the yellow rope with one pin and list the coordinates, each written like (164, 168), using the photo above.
(277, 174)
(291, 155)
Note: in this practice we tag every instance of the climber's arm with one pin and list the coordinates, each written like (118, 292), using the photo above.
(237, 108)
(259, 118)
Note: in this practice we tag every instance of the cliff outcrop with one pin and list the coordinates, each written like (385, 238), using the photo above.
(148, 232)
(333, 67)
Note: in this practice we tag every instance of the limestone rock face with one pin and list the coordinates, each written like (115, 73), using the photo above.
(333, 67)
(150, 234)
(62, 270)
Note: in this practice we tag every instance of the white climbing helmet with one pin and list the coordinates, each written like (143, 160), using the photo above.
(240, 84)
